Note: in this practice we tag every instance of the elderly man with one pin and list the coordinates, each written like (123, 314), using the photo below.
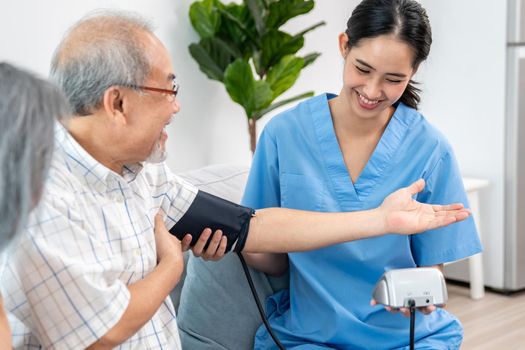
(97, 263)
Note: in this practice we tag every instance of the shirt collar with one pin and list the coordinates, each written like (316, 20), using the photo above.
(83, 165)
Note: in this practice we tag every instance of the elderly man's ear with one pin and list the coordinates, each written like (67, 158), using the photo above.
(114, 103)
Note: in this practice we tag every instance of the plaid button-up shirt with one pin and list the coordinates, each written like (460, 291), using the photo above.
(64, 282)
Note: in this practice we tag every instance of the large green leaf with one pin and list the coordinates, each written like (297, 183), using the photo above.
(263, 94)
(281, 11)
(238, 27)
(257, 10)
(205, 18)
(243, 89)
(257, 63)
(310, 58)
(284, 74)
(310, 28)
(275, 45)
(206, 64)
(213, 56)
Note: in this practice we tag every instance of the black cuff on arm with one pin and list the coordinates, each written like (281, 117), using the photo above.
(216, 213)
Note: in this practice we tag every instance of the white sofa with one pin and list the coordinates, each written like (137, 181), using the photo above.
(216, 309)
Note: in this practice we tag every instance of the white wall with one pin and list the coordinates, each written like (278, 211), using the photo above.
(463, 83)
(30, 30)
(464, 96)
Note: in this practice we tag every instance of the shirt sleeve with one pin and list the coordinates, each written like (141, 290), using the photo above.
(68, 278)
(263, 187)
(172, 194)
(444, 185)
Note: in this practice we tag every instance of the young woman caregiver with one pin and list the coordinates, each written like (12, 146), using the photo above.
(346, 152)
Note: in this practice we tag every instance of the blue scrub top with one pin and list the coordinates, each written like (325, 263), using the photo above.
(298, 164)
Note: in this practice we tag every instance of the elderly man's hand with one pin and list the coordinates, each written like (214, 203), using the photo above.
(215, 250)
(169, 248)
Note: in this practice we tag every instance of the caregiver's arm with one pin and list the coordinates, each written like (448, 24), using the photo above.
(278, 230)
(398, 213)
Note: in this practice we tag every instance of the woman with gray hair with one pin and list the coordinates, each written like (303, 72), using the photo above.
(28, 108)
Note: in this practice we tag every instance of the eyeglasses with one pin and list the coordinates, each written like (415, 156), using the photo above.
(170, 94)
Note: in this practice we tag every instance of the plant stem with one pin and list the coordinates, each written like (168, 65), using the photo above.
(252, 130)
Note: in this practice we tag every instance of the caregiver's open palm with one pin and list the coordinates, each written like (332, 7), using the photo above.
(405, 215)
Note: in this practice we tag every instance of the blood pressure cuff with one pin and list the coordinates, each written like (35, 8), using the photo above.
(216, 213)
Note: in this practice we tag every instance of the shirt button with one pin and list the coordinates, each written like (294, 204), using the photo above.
(137, 252)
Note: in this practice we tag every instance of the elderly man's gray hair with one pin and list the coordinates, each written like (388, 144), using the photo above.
(101, 50)
(29, 107)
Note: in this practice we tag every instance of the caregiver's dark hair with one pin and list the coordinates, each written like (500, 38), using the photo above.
(405, 19)
(29, 107)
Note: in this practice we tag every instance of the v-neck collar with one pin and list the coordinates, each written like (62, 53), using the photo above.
(376, 165)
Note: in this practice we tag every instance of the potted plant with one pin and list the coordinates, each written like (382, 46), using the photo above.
(243, 46)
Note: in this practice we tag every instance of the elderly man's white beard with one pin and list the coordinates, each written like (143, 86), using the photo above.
(158, 154)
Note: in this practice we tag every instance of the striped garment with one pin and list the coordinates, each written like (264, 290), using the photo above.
(64, 282)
